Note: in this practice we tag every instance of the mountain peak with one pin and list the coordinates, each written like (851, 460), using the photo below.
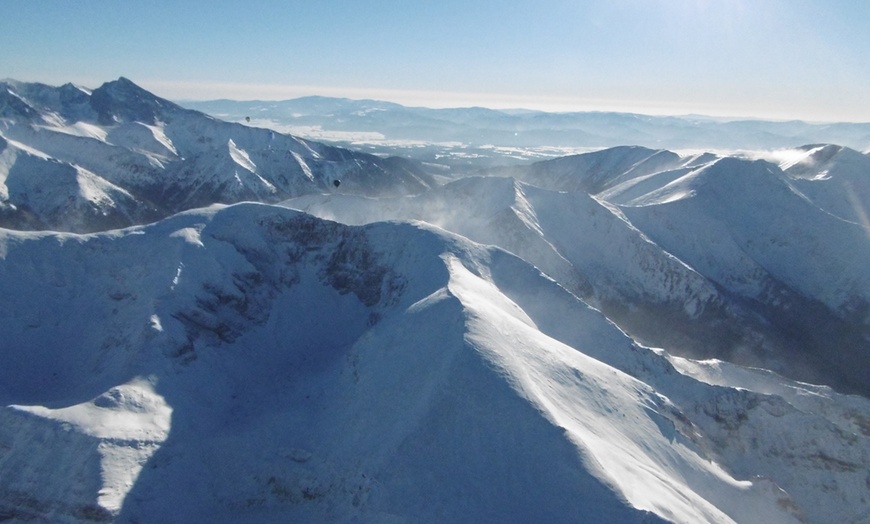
(122, 100)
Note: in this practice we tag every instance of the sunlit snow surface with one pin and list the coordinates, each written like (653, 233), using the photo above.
(614, 420)
(127, 424)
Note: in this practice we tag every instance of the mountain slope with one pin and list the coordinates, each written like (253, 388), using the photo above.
(586, 246)
(167, 159)
(594, 172)
(270, 365)
(785, 250)
(804, 270)
(40, 192)
(835, 179)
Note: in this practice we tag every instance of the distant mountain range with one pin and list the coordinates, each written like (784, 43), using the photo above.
(626, 335)
(466, 138)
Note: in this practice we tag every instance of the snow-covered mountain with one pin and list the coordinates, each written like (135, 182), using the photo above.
(262, 364)
(583, 244)
(72, 159)
(478, 137)
(710, 257)
(615, 336)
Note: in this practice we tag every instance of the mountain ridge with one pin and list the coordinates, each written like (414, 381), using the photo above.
(221, 327)
(170, 158)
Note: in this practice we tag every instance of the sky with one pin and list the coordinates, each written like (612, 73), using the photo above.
(773, 59)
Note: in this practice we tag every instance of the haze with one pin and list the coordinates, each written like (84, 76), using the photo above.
(773, 59)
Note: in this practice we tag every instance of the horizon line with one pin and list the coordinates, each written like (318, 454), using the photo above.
(204, 91)
(419, 98)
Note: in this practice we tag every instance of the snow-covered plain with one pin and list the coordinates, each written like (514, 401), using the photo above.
(560, 342)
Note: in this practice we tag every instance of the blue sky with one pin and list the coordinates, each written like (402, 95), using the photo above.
(807, 59)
